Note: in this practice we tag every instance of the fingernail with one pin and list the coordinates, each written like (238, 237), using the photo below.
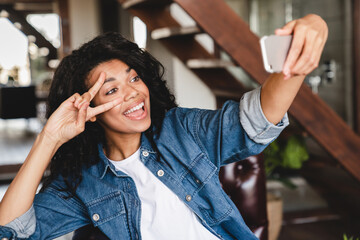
(286, 71)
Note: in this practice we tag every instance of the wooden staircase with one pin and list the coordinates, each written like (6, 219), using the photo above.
(234, 36)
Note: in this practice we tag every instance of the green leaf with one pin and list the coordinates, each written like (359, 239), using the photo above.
(294, 153)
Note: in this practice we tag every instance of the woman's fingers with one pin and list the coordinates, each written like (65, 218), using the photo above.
(309, 37)
(81, 103)
(96, 87)
(294, 52)
(92, 112)
(72, 99)
(89, 95)
(306, 69)
(308, 56)
(81, 117)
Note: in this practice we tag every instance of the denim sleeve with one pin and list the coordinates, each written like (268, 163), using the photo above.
(234, 132)
(254, 122)
(24, 225)
(52, 215)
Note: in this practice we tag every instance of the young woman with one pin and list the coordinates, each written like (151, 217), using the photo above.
(125, 159)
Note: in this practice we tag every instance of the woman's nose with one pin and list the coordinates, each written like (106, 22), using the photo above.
(130, 93)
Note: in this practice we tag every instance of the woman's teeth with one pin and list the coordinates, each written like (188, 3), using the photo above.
(134, 108)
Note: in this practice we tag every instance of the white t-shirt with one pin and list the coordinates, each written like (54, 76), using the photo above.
(163, 214)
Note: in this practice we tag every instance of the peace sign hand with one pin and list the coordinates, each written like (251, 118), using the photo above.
(69, 118)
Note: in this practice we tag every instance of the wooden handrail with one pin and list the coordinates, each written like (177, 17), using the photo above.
(234, 36)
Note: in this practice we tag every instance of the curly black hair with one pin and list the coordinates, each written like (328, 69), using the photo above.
(70, 77)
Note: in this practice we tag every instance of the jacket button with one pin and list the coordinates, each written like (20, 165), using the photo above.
(188, 198)
(96, 217)
(145, 153)
(160, 173)
(197, 181)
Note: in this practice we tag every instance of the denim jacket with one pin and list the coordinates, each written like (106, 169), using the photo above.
(191, 147)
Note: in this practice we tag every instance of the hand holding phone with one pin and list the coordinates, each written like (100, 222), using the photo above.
(274, 51)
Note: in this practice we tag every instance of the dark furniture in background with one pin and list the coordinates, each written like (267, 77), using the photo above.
(17, 102)
(244, 182)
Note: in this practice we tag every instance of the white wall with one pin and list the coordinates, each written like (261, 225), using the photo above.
(190, 91)
(84, 21)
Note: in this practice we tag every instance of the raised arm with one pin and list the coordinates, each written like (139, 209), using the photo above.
(64, 124)
(279, 90)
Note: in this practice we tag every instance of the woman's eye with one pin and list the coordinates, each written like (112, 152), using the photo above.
(135, 79)
(111, 91)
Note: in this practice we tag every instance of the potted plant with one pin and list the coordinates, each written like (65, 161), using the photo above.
(283, 158)
(350, 238)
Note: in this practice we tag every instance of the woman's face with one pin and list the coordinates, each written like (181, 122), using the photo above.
(132, 116)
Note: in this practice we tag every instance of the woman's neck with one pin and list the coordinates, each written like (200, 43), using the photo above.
(120, 147)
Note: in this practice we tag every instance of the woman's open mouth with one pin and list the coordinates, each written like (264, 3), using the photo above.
(137, 112)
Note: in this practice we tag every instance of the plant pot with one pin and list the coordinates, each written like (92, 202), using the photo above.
(275, 215)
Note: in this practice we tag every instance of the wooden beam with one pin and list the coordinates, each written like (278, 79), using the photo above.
(46, 7)
(25, 1)
(109, 15)
(174, 32)
(62, 9)
(28, 29)
(144, 3)
(356, 63)
(231, 33)
(340, 190)
(208, 63)
(235, 37)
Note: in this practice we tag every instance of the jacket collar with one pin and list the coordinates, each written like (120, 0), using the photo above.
(104, 164)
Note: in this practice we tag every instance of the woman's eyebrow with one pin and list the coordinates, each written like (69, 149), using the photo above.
(110, 79)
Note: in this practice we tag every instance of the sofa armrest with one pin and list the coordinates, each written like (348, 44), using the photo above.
(245, 183)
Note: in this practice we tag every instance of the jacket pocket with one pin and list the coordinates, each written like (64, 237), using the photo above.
(106, 208)
(201, 181)
(198, 173)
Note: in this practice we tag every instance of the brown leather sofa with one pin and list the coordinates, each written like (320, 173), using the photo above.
(244, 182)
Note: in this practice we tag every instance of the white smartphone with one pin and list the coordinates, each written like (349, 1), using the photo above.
(274, 51)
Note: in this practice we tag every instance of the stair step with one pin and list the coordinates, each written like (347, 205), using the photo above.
(144, 3)
(167, 32)
(208, 63)
(219, 93)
